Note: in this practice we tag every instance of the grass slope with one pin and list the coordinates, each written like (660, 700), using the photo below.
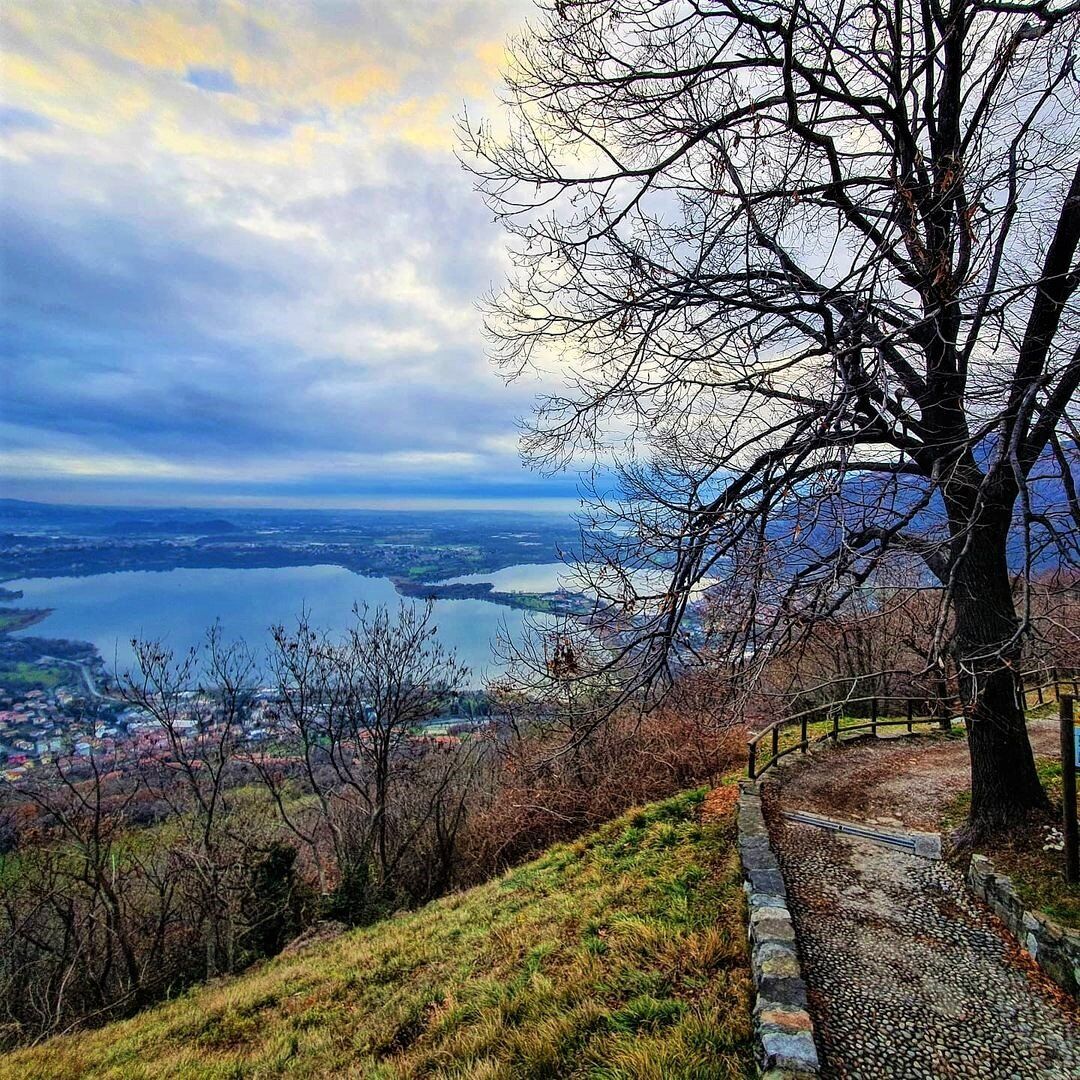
(619, 956)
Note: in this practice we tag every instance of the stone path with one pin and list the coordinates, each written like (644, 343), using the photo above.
(908, 975)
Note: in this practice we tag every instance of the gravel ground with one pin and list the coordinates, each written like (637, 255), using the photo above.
(896, 780)
(911, 977)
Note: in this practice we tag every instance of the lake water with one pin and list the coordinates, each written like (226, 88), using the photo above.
(177, 606)
(529, 577)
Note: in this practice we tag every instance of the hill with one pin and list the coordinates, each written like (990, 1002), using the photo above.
(621, 955)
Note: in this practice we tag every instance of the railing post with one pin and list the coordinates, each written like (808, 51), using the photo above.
(910, 713)
(1068, 790)
(835, 725)
(873, 716)
(751, 759)
(1040, 693)
(802, 731)
(775, 742)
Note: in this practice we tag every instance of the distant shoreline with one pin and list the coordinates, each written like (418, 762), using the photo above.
(486, 591)
(14, 619)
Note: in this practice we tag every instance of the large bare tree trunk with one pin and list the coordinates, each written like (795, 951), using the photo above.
(818, 289)
(1004, 783)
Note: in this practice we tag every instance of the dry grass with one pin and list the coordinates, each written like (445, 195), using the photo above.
(619, 956)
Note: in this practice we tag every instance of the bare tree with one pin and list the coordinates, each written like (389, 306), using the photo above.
(354, 710)
(73, 922)
(815, 264)
(199, 703)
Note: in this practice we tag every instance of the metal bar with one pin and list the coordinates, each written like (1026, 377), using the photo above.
(905, 842)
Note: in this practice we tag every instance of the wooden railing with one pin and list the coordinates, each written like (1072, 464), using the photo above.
(1039, 682)
(938, 711)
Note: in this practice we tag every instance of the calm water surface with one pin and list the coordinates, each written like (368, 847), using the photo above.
(529, 577)
(177, 606)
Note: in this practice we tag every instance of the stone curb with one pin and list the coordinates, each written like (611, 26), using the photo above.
(784, 1030)
(1056, 949)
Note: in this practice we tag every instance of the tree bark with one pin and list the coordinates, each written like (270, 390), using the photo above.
(1005, 786)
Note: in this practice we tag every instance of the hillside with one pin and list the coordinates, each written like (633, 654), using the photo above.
(619, 956)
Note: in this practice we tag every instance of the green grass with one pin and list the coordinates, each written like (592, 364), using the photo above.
(24, 676)
(818, 730)
(619, 956)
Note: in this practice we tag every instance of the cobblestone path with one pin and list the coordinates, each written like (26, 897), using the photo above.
(908, 975)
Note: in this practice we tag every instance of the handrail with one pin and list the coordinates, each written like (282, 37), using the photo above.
(870, 699)
(943, 717)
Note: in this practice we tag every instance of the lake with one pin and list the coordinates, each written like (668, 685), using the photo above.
(178, 605)
(528, 577)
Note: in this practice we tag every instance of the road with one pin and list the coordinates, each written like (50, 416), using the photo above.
(84, 669)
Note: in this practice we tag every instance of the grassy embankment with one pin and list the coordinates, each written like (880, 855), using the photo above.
(621, 955)
(818, 731)
(1037, 874)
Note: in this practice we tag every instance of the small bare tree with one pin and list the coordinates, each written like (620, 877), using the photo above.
(813, 266)
(200, 703)
(354, 709)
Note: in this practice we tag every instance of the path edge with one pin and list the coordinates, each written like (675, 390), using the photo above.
(1055, 948)
(782, 1025)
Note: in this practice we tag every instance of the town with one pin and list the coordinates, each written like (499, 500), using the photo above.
(39, 728)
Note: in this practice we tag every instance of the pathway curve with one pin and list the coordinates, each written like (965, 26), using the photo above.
(908, 975)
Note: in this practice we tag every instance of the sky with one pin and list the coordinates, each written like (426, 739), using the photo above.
(239, 262)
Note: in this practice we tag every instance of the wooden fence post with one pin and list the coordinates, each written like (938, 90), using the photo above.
(751, 759)
(910, 713)
(802, 731)
(873, 716)
(775, 742)
(835, 725)
(1068, 789)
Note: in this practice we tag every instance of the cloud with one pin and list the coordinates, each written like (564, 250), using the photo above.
(237, 255)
